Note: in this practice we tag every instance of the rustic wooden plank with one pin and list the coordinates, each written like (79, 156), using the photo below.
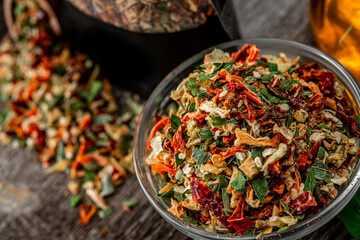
(43, 211)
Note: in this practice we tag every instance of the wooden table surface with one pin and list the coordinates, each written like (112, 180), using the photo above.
(35, 205)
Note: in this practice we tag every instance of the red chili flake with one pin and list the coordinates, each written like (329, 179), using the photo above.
(237, 219)
(266, 212)
(38, 136)
(167, 145)
(296, 91)
(229, 139)
(275, 168)
(280, 189)
(211, 91)
(352, 123)
(203, 195)
(297, 180)
(277, 185)
(179, 143)
(308, 70)
(203, 218)
(248, 52)
(326, 82)
(316, 103)
(303, 160)
(303, 203)
(287, 198)
(198, 117)
(241, 89)
(323, 201)
(315, 149)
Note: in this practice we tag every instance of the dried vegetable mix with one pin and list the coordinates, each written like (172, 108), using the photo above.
(58, 103)
(256, 145)
(149, 16)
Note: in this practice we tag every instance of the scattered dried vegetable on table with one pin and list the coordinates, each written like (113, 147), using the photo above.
(149, 16)
(257, 144)
(58, 103)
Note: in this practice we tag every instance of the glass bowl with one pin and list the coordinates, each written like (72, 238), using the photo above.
(160, 99)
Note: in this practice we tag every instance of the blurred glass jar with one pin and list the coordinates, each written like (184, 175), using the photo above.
(149, 16)
(336, 28)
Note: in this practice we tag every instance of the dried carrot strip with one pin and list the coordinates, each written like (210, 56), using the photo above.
(86, 212)
(161, 168)
(77, 161)
(163, 122)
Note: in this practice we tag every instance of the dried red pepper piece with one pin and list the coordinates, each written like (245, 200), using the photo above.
(277, 185)
(296, 92)
(326, 82)
(241, 89)
(179, 143)
(351, 122)
(198, 117)
(315, 149)
(231, 152)
(275, 168)
(237, 219)
(303, 160)
(263, 213)
(203, 195)
(229, 139)
(316, 103)
(303, 203)
(248, 52)
(167, 145)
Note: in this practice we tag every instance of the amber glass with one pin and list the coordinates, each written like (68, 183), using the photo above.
(336, 28)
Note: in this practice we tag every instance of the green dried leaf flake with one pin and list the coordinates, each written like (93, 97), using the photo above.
(286, 207)
(321, 171)
(200, 156)
(283, 228)
(178, 160)
(296, 134)
(217, 121)
(226, 202)
(202, 77)
(189, 220)
(261, 63)
(321, 153)
(323, 125)
(175, 122)
(131, 203)
(257, 152)
(94, 91)
(204, 94)
(267, 78)
(179, 174)
(105, 213)
(260, 186)
(107, 186)
(273, 67)
(310, 182)
(102, 118)
(60, 152)
(269, 96)
(205, 133)
(239, 184)
(75, 200)
(191, 85)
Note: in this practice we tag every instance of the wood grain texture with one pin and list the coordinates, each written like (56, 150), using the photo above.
(35, 205)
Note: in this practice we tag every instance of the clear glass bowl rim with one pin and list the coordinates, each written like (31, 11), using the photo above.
(296, 231)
